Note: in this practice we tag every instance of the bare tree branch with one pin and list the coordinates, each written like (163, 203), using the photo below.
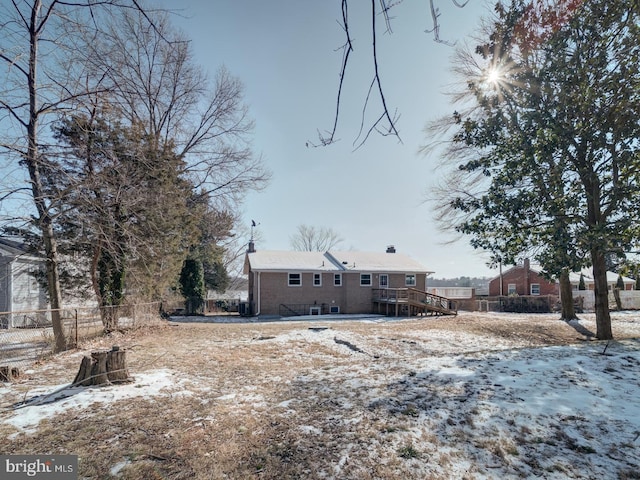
(391, 121)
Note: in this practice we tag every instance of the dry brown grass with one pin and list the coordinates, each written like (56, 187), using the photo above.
(248, 404)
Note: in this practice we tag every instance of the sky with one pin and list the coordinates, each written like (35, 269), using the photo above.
(287, 54)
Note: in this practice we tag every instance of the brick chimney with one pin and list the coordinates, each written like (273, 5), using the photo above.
(251, 247)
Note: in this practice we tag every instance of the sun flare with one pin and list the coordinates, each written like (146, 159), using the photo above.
(494, 75)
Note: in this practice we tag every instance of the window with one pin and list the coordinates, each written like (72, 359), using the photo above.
(535, 289)
(314, 311)
(511, 289)
(295, 279)
(334, 309)
(317, 279)
(337, 279)
(365, 279)
(410, 280)
(384, 280)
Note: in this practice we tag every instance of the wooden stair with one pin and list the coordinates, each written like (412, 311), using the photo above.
(430, 303)
(414, 301)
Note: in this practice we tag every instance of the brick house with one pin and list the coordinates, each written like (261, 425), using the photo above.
(521, 280)
(527, 279)
(314, 283)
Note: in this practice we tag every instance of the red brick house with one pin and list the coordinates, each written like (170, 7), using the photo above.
(521, 280)
(527, 279)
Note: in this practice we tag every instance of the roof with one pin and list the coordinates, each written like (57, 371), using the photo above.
(378, 262)
(574, 277)
(270, 260)
(612, 277)
(12, 247)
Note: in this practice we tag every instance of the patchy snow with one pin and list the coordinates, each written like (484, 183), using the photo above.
(47, 402)
(449, 403)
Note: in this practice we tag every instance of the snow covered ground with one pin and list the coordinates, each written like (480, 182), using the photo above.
(478, 396)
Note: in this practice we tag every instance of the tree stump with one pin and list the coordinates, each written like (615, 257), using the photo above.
(117, 366)
(103, 368)
(8, 374)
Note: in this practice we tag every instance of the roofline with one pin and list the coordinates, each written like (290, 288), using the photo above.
(349, 270)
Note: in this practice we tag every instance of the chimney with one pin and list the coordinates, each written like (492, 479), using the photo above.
(252, 246)
(391, 249)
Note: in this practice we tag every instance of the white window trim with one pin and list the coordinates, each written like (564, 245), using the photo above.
(337, 276)
(315, 310)
(515, 288)
(531, 289)
(334, 309)
(289, 279)
(406, 280)
(385, 275)
(370, 284)
(314, 280)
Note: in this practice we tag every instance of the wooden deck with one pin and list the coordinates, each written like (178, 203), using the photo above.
(412, 302)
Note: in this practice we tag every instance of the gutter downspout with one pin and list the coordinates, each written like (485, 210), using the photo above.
(258, 292)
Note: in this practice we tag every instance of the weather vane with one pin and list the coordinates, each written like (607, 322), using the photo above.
(253, 225)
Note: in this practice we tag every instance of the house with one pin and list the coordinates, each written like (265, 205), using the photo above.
(612, 280)
(525, 279)
(20, 290)
(528, 279)
(313, 283)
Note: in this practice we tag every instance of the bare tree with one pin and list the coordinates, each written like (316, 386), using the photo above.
(79, 56)
(153, 82)
(35, 89)
(314, 239)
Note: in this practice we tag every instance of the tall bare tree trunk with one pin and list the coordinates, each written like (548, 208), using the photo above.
(566, 297)
(601, 293)
(32, 160)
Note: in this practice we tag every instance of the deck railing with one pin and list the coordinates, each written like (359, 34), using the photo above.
(391, 295)
(415, 297)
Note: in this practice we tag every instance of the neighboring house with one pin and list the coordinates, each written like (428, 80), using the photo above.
(527, 279)
(612, 280)
(314, 283)
(20, 290)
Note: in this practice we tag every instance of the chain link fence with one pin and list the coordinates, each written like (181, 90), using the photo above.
(27, 336)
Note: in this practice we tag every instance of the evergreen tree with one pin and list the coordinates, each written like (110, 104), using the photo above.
(192, 286)
(122, 204)
(550, 160)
